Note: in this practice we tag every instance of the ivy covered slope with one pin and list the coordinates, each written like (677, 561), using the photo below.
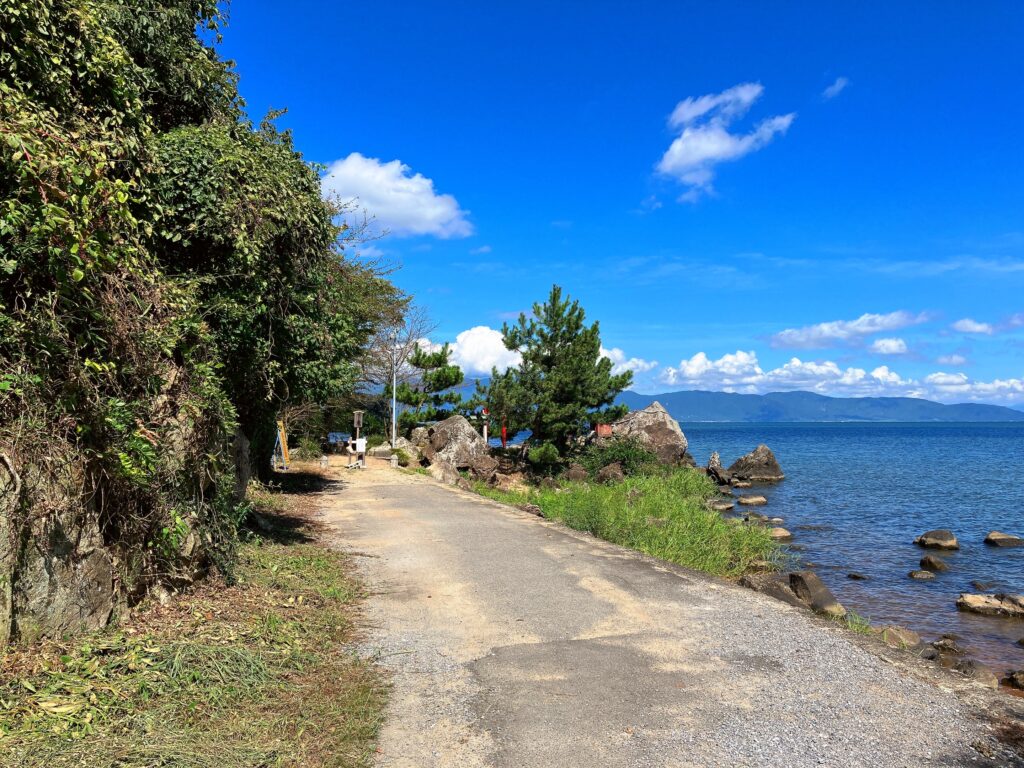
(170, 278)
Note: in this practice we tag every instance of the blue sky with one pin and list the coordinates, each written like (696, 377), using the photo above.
(748, 196)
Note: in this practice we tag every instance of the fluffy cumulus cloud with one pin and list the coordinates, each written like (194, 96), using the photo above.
(481, 348)
(621, 363)
(404, 202)
(889, 346)
(836, 88)
(842, 331)
(742, 372)
(967, 325)
(705, 138)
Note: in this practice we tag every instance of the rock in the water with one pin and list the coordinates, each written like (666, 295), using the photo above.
(933, 563)
(809, 588)
(456, 442)
(983, 586)
(658, 432)
(948, 645)
(758, 466)
(999, 539)
(715, 462)
(1016, 679)
(484, 467)
(740, 483)
(780, 534)
(921, 575)
(752, 501)
(900, 637)
(717, 505)
(856, 576)
(444, 472)
(977, 672)
(611, 474)
(775, 585)
(937, 539)
(992, 605)
(576, 474)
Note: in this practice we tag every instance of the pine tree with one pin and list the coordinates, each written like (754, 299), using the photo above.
(563, 383)
(432, 397)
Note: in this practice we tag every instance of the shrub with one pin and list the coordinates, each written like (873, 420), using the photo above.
(403, 458)
(629, 452)
(544, 458)
(308, 449)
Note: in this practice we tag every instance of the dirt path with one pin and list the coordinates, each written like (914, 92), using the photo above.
(513, 641)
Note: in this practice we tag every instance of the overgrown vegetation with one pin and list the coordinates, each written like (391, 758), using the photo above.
(661, 514)
(228, 677)
(171, 279)
(629, 453)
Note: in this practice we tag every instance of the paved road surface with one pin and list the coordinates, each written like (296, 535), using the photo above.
(515, 642)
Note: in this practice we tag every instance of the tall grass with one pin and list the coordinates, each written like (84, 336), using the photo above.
(663, 515)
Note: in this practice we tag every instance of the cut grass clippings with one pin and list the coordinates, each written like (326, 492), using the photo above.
(663, 515)
(255, 674)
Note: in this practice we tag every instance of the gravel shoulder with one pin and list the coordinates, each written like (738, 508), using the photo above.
(513, 641)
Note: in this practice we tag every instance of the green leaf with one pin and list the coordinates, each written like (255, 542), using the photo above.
(77, 275)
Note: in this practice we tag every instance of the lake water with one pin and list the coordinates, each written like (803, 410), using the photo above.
(856, 496)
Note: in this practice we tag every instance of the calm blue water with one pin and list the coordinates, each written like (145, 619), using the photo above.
(865, 491)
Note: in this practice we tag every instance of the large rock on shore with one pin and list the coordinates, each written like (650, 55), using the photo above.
(758, 466)
(456, 442)
(1011, 606)
(937, 539)
(658, 432)
(774, 585)
(812, 590)
(1000, 539)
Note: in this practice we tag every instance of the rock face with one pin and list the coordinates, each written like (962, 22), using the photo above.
(758, 466)
(444, 472)
(992, 605)
(808, 587)
(937, 539)
(999, 539)
(752, 501)
(658, 432)
(611, 474)
(933, 563)
(456, 442)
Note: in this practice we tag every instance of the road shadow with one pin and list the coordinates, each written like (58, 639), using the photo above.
(297, 518)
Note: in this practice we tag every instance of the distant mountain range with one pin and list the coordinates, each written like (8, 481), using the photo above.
(698, 405)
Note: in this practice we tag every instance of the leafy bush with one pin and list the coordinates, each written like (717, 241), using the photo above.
(629, 452)
(544, 458)
(403, 458)
(308, 449)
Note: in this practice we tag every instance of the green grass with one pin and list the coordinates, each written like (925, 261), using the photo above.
(854, 621)
(663, 515)
(256, 674)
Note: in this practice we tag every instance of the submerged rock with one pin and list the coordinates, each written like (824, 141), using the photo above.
(752, 501)
(937, 539)
(921, 575)
(812, 590)
(946, 644)
(658, 432)
(758, 466)
(933, 563)
(1000, 539)
(740, 483)
(780, 534)
(857, 576)
(992, 605)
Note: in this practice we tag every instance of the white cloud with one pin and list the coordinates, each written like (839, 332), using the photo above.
(825, 334)
(967, 325)
(952, 360)
(704, 138)
(836, 88)
(401, 201)
(620, 363)
(889, 346)
(741, 372)
(481, 250)
(481, 348)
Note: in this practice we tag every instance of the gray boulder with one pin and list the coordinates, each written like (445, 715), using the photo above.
(775, 585)
(575, 474)
(444, 472)
(656, 431)
(812, 590)
(456, 442)
(758, 466)
(1000, 539)
(1011, 606)
(611, 474)
(937, 539)
(484, 467)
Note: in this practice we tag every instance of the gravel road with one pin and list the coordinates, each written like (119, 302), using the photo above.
(512, 641)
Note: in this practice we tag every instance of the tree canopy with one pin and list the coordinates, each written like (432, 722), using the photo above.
(563, 383)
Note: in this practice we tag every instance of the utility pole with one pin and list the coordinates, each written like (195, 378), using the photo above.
(394, 388)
